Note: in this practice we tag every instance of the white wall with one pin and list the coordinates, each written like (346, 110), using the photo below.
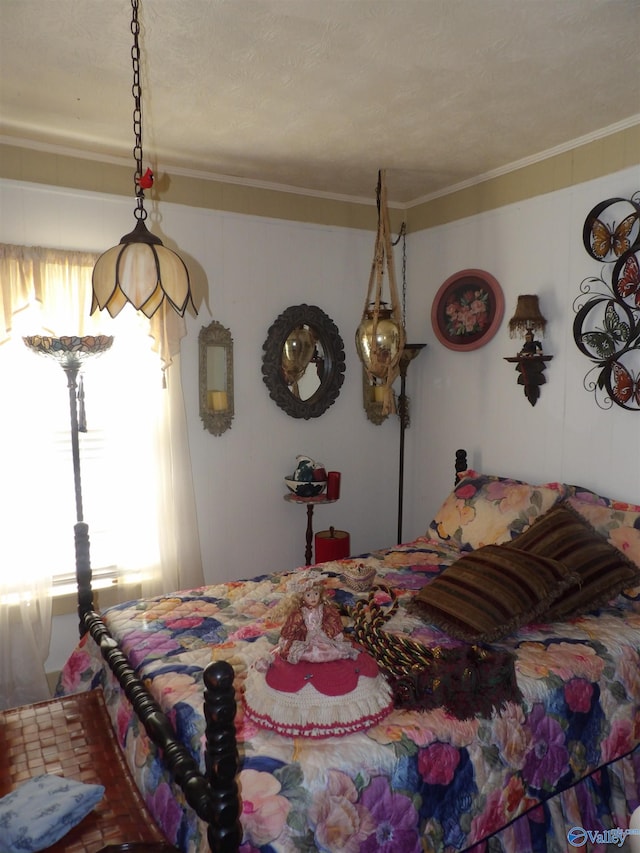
(254, 268)
(471, 399)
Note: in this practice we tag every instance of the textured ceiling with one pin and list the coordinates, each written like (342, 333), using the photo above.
(320, 94)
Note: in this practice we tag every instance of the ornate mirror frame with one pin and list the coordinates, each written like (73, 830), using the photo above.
(216, 404)
(333, 355)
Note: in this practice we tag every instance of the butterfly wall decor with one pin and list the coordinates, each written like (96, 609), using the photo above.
(606, 328)
(612, 228)
(625, 387)
(626, 278)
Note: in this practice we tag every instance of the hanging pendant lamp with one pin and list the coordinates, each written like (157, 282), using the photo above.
(140, 269)
(380, 337)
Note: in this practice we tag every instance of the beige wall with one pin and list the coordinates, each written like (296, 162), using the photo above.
(586, 162)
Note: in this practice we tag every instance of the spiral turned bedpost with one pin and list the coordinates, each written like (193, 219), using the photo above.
(179, 760)
(222, 761)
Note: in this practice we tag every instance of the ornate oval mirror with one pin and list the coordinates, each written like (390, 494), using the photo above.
(303, 361)
(216, 377)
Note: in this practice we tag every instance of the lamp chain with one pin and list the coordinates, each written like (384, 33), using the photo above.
(136, 89)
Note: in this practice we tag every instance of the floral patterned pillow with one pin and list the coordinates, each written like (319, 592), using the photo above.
(617, 521)
(487, 510)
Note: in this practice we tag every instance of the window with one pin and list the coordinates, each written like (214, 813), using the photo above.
(119, 471)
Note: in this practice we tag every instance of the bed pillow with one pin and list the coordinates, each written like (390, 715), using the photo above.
(563, 534)
(617, 521)
(488, 510)
(42, 810)
(489, 593)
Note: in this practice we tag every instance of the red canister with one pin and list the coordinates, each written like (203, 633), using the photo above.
(333, 485)
(332, 544)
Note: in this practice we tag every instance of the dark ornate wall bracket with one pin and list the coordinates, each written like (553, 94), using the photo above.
(530, 370)
(606, 328)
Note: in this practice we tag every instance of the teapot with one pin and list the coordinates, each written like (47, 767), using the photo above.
(308, 471)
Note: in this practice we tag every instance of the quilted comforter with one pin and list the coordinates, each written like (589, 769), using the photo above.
(565, 759)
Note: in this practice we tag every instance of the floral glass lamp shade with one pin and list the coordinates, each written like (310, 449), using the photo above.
(70, 351)
(140, 269)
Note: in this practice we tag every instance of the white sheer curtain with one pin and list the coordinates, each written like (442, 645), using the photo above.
(140, 480)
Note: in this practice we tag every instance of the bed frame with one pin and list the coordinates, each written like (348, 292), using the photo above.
(214, 795)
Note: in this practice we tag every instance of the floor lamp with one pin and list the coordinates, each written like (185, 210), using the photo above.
(71, 352)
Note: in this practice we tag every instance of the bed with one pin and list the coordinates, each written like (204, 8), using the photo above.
(517, 729)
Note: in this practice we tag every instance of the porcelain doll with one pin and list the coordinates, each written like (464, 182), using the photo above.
(313, 628)
(316, 683)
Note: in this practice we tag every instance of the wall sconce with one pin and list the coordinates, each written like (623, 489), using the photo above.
(530, 361)
(216, 377)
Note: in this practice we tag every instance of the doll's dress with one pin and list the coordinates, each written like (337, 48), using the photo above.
(315, 634)
(320, 685)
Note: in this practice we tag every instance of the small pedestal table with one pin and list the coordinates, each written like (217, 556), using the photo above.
(310, 504)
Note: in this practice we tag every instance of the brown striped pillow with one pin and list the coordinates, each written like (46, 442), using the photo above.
(563, 534)
(490, 592)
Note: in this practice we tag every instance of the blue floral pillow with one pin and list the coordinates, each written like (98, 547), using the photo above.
(41, 811)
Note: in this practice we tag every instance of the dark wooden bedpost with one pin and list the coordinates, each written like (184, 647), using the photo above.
(83, 573)
(177, 757)
(224, 833)
(461, 463)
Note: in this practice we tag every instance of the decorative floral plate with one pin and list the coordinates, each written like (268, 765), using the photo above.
(467, 310)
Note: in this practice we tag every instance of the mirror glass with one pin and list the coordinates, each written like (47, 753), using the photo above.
(216, 378)
(303, 362)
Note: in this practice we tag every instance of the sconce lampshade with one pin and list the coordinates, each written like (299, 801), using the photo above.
(527, 317)
(140, 270)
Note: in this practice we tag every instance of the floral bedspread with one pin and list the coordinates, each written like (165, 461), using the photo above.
(417, 781)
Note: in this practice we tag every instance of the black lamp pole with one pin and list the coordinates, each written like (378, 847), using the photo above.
(409, 352)
(80, 529)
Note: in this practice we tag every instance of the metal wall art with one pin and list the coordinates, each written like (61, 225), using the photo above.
(607, 324)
